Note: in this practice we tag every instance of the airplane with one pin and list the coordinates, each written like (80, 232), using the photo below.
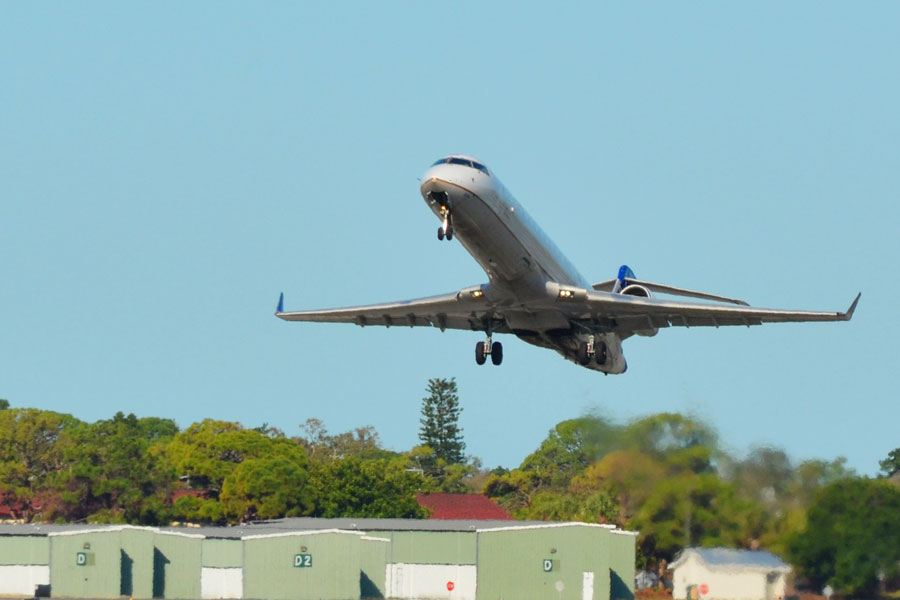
(533, 291)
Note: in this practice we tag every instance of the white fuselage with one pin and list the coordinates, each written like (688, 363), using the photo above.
(518, 257)
(496, 229)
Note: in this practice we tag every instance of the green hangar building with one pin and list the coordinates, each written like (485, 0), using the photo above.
(321, 559)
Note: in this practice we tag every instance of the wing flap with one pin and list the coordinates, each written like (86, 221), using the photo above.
(632, 313)
(457, 310)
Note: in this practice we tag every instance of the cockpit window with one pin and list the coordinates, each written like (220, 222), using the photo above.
(481, 168)
(454, 160)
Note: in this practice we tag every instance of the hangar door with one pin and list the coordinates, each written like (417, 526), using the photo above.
(410, 581)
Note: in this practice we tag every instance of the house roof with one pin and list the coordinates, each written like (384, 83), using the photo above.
(462, 506)
(728, 557)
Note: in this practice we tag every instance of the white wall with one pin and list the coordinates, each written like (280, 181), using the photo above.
(778, 587)
(20, 580)
(221, 583)
(722, 583)
(428, 582)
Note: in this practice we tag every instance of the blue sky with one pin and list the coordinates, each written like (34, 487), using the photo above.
(167, 169)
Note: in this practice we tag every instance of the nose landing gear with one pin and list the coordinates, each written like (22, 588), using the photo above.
(483, 349)
(446, 228)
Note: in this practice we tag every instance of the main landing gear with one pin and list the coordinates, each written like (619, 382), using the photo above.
(592, 349)
(483, 349)
(446, 228)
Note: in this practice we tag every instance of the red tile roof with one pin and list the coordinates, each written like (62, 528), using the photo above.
(202, 494)
(462, 506)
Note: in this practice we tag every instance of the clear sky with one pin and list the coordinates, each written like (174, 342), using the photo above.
(166, 169)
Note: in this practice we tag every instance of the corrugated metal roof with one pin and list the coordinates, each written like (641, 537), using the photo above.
(44, 528)
(292, 525)
(392, 524)
(722, 557)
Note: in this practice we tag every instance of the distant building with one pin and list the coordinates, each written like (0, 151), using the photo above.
(13, 510)
(726, 574)
(463, 506)
(320, 559)
(646, 580)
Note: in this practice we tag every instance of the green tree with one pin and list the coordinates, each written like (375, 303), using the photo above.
(441, 476)
(374, 487)
(673, 438)
(594, 507)
(32, 448)
(440, 429)
(891, 464)
(852, 536)
(4, 404)
(322, 446)
(628, 476)
(270, 487)
(694, 510)
(112, 476)
(246, 474)
(205, 453)
(566, 452)
(766, 475)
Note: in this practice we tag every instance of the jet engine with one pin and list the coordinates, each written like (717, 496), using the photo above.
(641, 292)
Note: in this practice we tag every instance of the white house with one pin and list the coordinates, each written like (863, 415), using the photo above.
(724, 574)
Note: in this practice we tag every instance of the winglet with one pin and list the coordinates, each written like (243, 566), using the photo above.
(849, 314)
(280, 308)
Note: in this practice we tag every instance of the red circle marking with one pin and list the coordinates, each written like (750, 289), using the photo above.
(450, 585)
(704, 589)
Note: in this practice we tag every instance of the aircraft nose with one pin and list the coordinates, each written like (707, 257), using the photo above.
(435, 191)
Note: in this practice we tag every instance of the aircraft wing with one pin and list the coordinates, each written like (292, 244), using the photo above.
(466, 309)
(634, 313)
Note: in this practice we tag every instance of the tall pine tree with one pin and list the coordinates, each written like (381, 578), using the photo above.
(439, 423)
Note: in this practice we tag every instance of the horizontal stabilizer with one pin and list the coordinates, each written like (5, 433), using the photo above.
(661, 288)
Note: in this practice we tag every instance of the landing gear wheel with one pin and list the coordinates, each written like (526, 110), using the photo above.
(441, 233)
(449, 233)
(583, 357)
(600, 353)
(496, 353)
(480, 356)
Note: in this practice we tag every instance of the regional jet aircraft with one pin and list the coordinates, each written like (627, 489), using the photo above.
(533, 291)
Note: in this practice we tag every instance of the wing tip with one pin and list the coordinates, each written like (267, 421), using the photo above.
(849, 314)
(280, 308)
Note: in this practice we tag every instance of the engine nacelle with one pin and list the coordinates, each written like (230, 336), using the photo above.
(641, 292)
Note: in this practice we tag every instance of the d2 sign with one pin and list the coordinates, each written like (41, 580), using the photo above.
(303, 560)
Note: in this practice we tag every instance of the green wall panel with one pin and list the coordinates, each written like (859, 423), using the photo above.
(510, 562)
(373, 563)
(24, 550)
(99, 578)
(176, 566)
(223, 553)
(137, 546)
(431, 547)
(621, 566)
(269, 570)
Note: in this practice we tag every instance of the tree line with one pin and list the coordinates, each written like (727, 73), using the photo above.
(55, 467)
(667, 477)
(664, 475)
